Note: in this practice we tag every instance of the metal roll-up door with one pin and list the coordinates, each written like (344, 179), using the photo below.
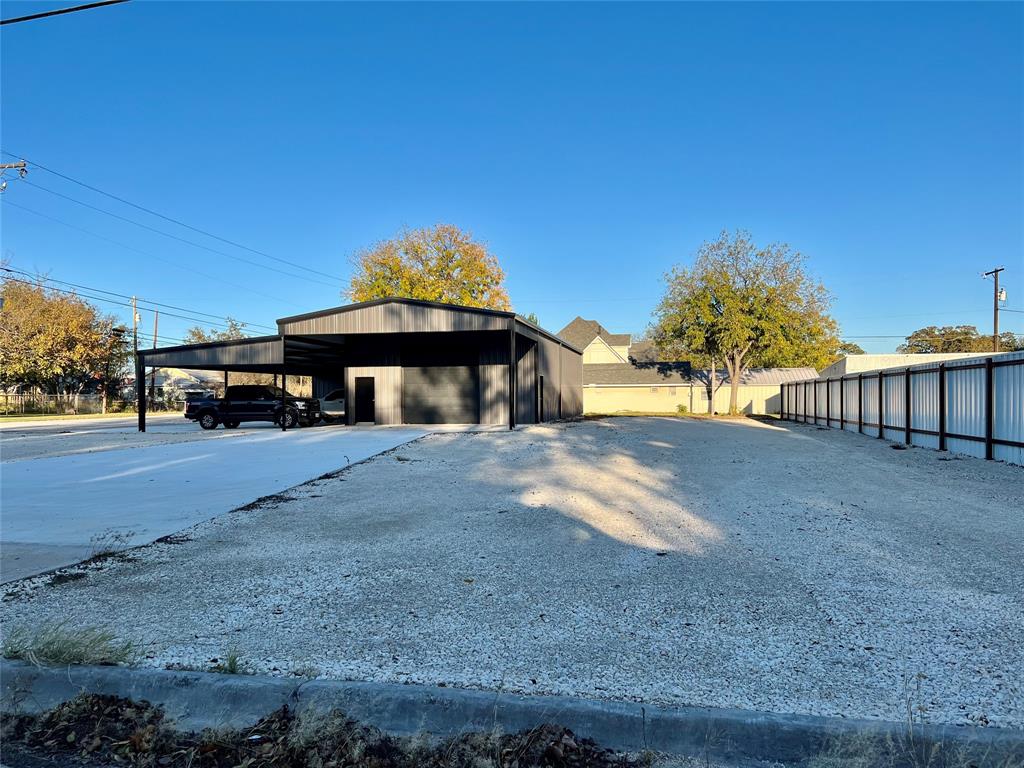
(441, 394)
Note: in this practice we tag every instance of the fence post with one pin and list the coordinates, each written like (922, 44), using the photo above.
(906, 407)
(942, 406)
(842, 404)
(881, 405)
(828, 402)
(860, 403)
(815, 385)
(782, 402)
(990, 415)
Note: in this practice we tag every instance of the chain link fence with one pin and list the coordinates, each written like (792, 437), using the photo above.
(76, 405)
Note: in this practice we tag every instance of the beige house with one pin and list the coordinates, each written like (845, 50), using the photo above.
(622, 377)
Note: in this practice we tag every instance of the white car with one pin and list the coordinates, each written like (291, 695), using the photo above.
(332, 406)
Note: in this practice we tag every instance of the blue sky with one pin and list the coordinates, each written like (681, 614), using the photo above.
(592, 146)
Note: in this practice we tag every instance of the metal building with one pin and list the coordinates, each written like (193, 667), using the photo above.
(404, 361)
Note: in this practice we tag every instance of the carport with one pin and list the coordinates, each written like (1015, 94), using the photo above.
(405, 361)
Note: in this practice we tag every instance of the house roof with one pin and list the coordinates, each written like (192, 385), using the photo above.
(655, 374)
(581, 332)
(672, 374)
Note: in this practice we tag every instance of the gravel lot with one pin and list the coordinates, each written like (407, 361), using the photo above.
(731, 564)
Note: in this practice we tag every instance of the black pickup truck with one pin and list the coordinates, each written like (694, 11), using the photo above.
(252, 403)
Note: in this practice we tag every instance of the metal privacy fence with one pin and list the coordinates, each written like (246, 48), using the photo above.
(973, 406)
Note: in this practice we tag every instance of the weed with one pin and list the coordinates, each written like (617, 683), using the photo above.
(56, 644)
(231, 665)
(109, 542)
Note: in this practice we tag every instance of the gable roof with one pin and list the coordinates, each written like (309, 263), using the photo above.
(581, 332)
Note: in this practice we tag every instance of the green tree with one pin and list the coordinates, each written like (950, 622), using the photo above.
(532, 318)
(55, 341)
(956, 338)
(845, 348)
(440, 263)
(746, 305)
(234, 330)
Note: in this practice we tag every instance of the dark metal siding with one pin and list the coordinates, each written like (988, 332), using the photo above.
(395, 318)
(441, 394)
(494, 379)
(526, 380)
(262, 353)
(572, 384)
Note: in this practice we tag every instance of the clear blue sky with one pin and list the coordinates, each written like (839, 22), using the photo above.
(591, 146)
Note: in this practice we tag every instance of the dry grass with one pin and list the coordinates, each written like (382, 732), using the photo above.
(58, 645)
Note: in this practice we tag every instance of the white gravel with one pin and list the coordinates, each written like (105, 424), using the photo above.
(661, 560)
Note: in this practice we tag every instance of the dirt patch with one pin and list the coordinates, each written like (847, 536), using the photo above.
(103, 730)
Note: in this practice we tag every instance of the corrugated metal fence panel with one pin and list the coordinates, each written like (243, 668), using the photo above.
(892, 406)
(871, 405)
(1008, 424)
(851, 406)
(924, 408)
(965, 408)
(832, 404)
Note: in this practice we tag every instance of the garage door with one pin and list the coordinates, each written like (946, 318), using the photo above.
(441, 394)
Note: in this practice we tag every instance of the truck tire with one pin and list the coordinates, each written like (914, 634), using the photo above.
(208, 420)
(291, 419)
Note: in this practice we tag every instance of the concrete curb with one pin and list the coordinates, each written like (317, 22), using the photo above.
(197, 700)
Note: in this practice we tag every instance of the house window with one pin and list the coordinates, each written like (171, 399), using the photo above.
(671, 390)
(654, 389)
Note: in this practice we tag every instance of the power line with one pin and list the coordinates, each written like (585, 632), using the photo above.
(188, 268)
(106, 299)
(61, 11)
(175, 237)
(147, 301)
(180, 223)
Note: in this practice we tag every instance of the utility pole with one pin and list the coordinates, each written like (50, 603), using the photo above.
(139, 383)
(152, 375)
(995, 307)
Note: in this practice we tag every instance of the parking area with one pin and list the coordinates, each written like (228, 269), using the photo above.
(73, 489)
(673, 561)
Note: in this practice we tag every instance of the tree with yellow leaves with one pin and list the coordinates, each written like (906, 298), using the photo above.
(441, 263)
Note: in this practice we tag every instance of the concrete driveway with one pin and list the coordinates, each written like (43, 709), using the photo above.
(117, 488)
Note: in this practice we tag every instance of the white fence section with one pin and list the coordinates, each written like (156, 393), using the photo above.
(973, 406)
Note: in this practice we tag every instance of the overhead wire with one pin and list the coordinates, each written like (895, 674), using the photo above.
(175, 237)
(171, 219)
(105, 299)
(186, 267)
(141, 300)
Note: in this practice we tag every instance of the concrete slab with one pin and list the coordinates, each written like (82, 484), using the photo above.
(56, 508)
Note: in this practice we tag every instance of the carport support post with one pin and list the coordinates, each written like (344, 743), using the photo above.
(842, 403)
(140, 391)
(284, 404)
